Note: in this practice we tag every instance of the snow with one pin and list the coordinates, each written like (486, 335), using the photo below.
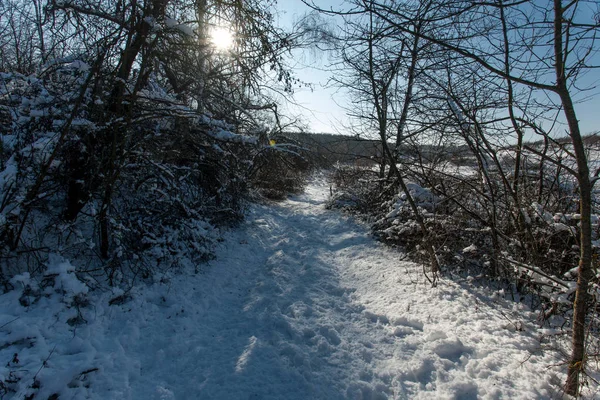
(83, 123)
(170, 22)
(79, 65)
(300, 303)
(470, 249)
(185, 29)
(152, 22)
(423, 198)
(227, 136)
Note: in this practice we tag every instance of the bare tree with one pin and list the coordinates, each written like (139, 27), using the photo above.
(526, 61)
(559, 38)
(372, 69)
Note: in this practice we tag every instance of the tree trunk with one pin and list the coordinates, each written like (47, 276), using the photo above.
(379, 91)
(585, 273)
(137, 40)
(414, 56)
(577, 361)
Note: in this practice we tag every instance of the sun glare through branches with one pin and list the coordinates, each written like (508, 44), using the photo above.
(221, 38)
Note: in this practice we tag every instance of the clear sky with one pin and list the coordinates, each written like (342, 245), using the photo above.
(318, 105)
(321, 107)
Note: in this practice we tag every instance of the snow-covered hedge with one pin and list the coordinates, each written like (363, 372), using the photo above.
(154, 195)
(540, 256)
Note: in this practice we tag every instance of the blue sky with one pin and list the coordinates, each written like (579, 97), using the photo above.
(321, 107)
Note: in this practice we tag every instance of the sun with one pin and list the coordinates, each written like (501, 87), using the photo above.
(221, 38)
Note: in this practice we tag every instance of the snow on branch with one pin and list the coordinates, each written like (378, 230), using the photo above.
(230, 137)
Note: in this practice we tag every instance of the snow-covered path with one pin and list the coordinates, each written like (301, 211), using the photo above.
(302, 304)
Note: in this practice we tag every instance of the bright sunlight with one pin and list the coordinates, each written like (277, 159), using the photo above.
(221, 38)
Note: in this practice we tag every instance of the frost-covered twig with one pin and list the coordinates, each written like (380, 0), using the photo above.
(539, 272)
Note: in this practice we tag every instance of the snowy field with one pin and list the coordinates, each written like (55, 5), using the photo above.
(301, 303)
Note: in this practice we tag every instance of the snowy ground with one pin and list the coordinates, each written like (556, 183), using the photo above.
(301, 303)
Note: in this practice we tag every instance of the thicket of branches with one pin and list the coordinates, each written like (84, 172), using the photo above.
(127, 136)
(457, 93)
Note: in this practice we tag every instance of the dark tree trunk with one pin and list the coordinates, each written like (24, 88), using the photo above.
(585, 274)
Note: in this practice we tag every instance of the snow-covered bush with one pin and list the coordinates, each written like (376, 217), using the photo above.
(129, 143)
(42, 112)
(357, 189)
(474, 230)
(280, 168)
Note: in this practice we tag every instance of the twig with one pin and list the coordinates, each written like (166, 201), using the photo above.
(87, 371)
(537, 271)
(44, 363)
(518, 327)
(9, 322)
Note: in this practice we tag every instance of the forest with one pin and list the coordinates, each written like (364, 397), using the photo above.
(131, 141)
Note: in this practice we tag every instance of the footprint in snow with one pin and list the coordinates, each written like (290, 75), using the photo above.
(411, 323)
(331, 335)
(422, 372)
(402, 331)
(299, 310)
(451, 350)
(376, 318)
